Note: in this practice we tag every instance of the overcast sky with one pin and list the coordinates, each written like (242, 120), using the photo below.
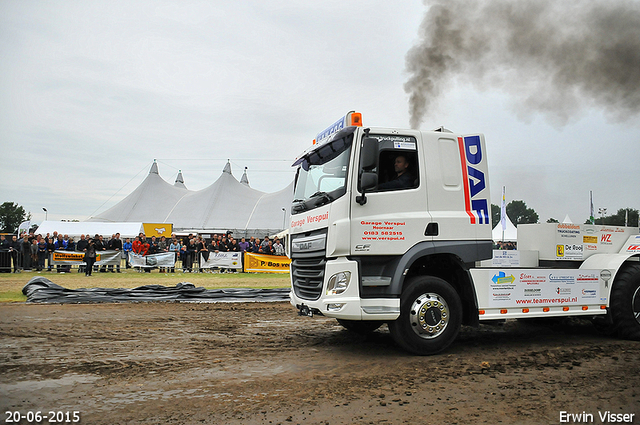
(91, 92)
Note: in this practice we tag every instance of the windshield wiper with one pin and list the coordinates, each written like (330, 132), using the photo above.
(320, 193)
(298, 206)
(324, 198)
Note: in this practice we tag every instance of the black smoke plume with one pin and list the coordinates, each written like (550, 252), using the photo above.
(551, 56)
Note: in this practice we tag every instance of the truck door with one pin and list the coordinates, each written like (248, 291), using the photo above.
(395, 216)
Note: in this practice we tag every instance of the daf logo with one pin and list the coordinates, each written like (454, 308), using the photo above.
(304, 245)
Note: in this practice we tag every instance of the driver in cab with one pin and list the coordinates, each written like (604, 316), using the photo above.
(403, 178)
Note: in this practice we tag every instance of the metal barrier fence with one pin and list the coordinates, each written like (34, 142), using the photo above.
(12, 261)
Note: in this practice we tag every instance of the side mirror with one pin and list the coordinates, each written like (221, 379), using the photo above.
(368, 161)
(369, 154)
(368, 180)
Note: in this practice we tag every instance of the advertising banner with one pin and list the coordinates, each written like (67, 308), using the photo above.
(163, 259)
(266, 263)
(223, 260)
(538, 287)
(157, 229)
(77, 258)
(505, 258)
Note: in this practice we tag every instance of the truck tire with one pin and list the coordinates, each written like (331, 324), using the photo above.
(361, 327)
(625, 303)
(430, 316)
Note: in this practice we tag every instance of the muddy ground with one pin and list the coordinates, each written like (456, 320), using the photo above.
(259, 363)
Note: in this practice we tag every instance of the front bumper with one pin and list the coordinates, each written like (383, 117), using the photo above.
(348, 305)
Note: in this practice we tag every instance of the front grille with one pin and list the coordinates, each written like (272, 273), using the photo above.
(307, 275)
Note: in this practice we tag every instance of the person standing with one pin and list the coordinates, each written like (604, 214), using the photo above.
(51, 247)
(127, 247)
(115, 244)
(4, 252)
(99, 244)
(14, 249)
(278, 248)
(175, 248)
(202, 252)
(89, 256)
(4, 243)
(81, 246)
(34, 252)
(136, 247)
(190, 254)
(243, 245)
(151, 249)
(256, 246)
(163, 247)
(26, 253)
(71, 246)
(184, 258)
(60, 245)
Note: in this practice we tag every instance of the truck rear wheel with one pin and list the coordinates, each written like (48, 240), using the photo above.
(361, 327)
(430, 316)
(625, 303)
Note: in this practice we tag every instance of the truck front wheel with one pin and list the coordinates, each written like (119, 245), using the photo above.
(625, 303)
(430, 316)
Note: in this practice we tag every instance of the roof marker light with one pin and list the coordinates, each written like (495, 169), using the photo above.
(356, 119)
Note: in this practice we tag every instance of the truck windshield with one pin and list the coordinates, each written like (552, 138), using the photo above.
(322, 173)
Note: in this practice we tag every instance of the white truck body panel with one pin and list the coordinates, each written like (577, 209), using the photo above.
(572, 242)
(508, 293)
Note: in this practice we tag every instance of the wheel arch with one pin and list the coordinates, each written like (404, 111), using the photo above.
(449, 261)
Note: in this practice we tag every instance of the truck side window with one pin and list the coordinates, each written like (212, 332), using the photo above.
(397, 170)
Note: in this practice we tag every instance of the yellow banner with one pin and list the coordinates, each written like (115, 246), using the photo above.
(266, 263)
(157, 229)
(69, 256)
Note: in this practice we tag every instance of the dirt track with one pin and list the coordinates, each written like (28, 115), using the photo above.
(259, 363)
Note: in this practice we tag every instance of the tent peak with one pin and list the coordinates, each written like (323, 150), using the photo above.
(227, 168)
(245, 180)
(179, 180)
(154, 168)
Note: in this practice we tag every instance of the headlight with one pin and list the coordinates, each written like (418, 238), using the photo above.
(338, 283)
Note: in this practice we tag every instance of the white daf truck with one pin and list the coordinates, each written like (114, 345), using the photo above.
(394, 226)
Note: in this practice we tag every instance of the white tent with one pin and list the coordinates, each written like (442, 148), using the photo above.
(225, 205)
(510, 233)
(76, 228)
(150, 202)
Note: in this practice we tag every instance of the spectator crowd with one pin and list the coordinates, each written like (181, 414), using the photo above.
(30, 251)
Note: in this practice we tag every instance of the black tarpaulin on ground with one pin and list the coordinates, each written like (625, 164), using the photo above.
(42, 290)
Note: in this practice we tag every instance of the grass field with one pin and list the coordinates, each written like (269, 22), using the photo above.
(11, 284)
